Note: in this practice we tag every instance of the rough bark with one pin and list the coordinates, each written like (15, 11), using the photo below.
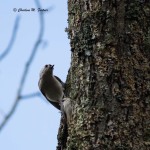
(109, 78)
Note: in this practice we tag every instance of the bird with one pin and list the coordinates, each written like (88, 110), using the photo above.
(67, 108)
(51, 86)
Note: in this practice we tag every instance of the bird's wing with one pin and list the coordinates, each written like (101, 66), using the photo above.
(55, 104)
(62, 83)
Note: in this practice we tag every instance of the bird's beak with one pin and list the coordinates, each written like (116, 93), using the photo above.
(52, 66)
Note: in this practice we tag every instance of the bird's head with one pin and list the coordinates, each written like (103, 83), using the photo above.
(47, 70)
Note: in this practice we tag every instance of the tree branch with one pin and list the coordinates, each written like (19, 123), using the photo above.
(27, 96)
(12, 40)
(26, 69)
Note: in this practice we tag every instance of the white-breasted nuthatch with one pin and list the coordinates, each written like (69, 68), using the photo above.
(51, 86)
(67, 108)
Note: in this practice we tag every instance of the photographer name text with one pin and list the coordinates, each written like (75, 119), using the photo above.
(30, 10)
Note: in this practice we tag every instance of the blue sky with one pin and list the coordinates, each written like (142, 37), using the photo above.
(35, 122)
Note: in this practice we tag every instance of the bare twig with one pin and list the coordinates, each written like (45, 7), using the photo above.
(27, 96)
(12, 40)
(26, 69)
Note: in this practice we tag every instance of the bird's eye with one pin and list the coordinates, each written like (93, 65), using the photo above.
(46, 66)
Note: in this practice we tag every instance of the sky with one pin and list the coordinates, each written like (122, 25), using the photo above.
(35, 122)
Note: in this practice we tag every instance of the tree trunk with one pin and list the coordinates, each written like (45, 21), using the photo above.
(109, 78)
